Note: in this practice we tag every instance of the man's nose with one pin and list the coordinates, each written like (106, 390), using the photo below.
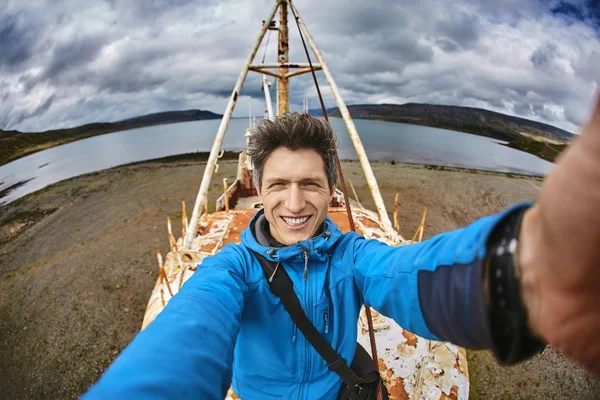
(295, 201)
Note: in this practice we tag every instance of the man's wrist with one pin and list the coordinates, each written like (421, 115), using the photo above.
(512, 339)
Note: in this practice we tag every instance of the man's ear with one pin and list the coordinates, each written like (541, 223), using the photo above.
(332, 192)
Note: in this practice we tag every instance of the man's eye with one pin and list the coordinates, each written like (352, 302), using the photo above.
(310, 184)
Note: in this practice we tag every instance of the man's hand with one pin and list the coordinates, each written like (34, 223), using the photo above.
(559, 252)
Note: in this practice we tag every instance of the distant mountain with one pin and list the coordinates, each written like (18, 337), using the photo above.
(464, 119)
(171, 116)
(4, 133)
(318, 112)
(15, 144)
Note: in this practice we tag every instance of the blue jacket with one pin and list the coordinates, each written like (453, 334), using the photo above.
(225, 314)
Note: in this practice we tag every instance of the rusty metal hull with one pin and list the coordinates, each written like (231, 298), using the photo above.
(412, 367)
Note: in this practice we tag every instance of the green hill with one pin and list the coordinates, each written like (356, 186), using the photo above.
(15, 144)
(543, 140)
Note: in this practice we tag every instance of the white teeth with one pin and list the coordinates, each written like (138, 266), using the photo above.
(295, 221)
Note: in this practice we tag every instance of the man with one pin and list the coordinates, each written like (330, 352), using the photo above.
(466, 286)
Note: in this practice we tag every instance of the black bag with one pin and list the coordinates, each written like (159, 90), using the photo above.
(363, 366)
(362, 380)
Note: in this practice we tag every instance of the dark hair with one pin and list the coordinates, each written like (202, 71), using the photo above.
(294, 131)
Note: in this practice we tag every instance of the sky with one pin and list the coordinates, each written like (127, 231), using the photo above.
(67, 63)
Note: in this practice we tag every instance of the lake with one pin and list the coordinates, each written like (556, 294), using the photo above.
(382, 140)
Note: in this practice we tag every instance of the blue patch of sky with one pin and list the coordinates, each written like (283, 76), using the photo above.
(586, 11)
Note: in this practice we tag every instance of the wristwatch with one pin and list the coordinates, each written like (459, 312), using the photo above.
(512, 340)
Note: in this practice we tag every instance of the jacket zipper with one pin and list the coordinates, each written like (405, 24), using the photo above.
(326, 321)
(305, 275)
(308, 309)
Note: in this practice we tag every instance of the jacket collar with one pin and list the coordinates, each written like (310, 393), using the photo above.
(252, 237)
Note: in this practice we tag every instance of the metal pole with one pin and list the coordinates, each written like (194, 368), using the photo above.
(216, 148)
(360, 151)
(267, 90)
(283, 94)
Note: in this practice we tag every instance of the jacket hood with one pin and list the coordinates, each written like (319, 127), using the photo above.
(322, 243)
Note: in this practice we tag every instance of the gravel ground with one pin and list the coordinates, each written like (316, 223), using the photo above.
(77, 266)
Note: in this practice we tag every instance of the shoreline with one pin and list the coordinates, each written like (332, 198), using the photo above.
(187, 158)
(524, 144)
(56, 137)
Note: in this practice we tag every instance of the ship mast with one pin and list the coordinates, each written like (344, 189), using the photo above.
(283, 74)
(283, 89)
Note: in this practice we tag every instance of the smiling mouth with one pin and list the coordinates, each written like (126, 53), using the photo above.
(296, 222)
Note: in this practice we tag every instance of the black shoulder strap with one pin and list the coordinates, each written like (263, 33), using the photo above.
(281, 285)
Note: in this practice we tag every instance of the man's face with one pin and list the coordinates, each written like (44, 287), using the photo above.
(295, 193)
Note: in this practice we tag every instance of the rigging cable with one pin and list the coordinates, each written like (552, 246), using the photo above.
(337, 160)
(342, 183)
(266, 45)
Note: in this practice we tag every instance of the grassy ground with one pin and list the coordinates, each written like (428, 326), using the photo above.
(77, 266)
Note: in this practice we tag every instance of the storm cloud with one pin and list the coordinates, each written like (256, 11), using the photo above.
(73, 62)
(17, 41)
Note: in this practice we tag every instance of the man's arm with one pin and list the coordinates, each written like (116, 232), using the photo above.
(434, 288)
(188, 350)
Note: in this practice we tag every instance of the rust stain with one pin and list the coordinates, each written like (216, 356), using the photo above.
(411, 339)
(369, 223)
(396, 390)
(452, 396)
(381, 365)
(341, 219)
(240, 222)
(234, 237)
(457, 365)
(205, 228)
(208, 248)
(231, 395)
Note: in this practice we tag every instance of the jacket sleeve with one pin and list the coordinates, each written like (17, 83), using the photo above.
(187, 351)
(434, 288)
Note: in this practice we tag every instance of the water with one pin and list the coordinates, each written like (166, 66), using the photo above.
(382, 141)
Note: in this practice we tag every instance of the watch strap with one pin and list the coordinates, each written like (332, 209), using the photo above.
(512, 340)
